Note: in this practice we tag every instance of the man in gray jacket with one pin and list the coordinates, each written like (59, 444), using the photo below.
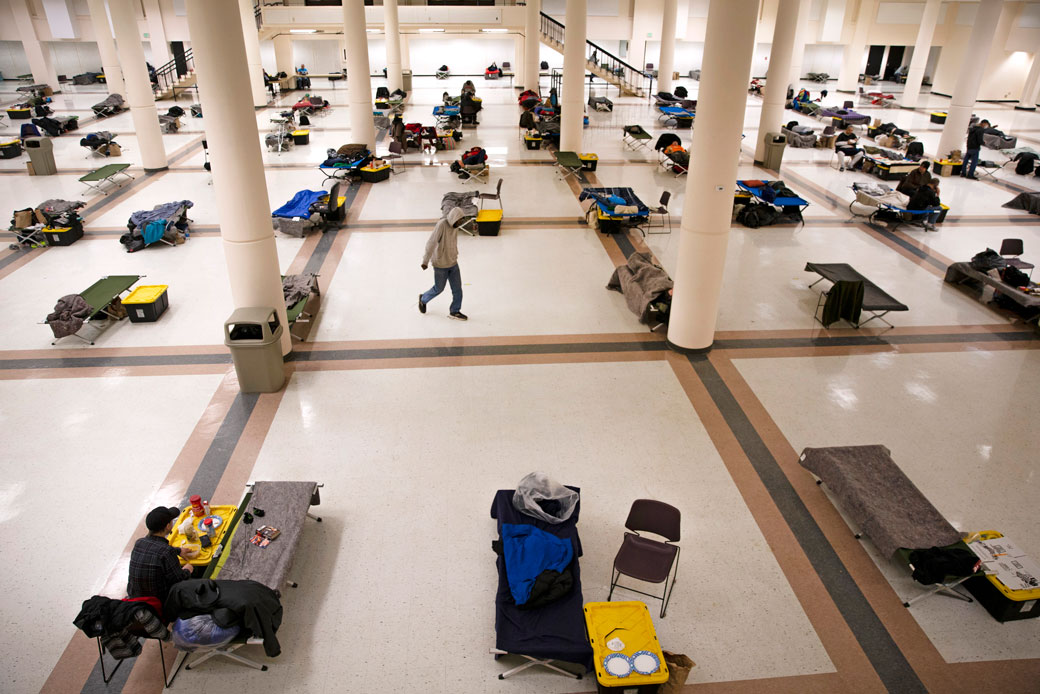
(442, 249)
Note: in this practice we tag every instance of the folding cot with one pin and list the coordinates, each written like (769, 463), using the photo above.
(844, 117)
(635, 137)
(875, 300)
(100, 144)
(343, 166)
(112, 105)
(567, 164)
(552, 632)
(160, 224)
(609, 219)
(447, 116)
(300, 308)
(97, 298)
(683, 117)
(790, 205)
(106, 174)
(883, 199)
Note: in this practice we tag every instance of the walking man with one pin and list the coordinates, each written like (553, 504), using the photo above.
(971, 150)
(442, 249)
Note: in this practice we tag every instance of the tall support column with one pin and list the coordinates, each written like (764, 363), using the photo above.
(106, 47)
(406, 53)
(852, 63)
(243, 207)
(572, 101)
(714, 156)
(1029, 89)
(138, 86)
(519, 63)
(922, 47)
(38, 55)
(393, 44)
(780, 58)
(532, 43)
(359, 80)
(283, 54)
(970, 77)
(156, 33)
(666, 64)
(801, 34)
(252, 41)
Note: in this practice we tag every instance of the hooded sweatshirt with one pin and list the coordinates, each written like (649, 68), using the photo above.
(442, 247)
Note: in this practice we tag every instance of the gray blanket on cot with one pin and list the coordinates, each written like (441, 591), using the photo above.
(1030, 202)
(285, 507)
(296, 287)
(641, 281)
(68, 316)
(56, 206)
(463, 201)
(879, 497)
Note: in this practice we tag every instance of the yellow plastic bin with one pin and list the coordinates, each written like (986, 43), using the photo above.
(589, 161)
(624, 643)
(301, 137)
(489, 222)
(1005, 604)
(63, 236)
(375, 175)
(533, 142)
(937, 117)
(146, 303)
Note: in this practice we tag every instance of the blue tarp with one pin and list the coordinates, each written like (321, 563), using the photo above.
(529, 551)
(300, 205)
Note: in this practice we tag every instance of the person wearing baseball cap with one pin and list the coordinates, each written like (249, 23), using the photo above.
(154, 567)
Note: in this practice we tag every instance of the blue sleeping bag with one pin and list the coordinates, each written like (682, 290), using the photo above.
(300, 205)
(528, 551)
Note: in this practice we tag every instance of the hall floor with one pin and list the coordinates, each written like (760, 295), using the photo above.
(412, 422)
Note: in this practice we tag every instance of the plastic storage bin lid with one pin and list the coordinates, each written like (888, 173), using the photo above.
(370, 169)
(588, 156)
(56, 230)
(489, 216)
(146, 294)
(297, 133)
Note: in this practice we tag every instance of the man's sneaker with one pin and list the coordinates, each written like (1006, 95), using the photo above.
(928, 226)
(841, 169)
(422, 305)
(458, 315)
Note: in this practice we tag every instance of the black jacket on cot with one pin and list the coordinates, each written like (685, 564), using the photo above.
(252, 605)
(923, 198)
(975, 134)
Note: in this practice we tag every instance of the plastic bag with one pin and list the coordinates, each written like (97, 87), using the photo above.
(201, 633)
(546, 499)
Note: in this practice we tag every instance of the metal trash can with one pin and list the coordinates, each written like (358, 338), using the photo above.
(406, 80)
(254, 337)
(41, 154)
(775, 144)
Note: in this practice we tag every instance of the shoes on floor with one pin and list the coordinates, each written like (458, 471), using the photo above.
(841, 169)
(422, 305)
(458, 315)
(972, 178)
(929, 226)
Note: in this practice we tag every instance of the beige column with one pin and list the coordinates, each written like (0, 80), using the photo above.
(252, 42)
(572, 100)
(240, 187)
(919, 60)
(156, 33)
(406, 53)
(359, 80)
(970, 77)
(780, 58)
(138, 87)
(704, 232)
(1029, 89)
(852, 63)
(666, 64)
(532, 44)
(106, 47)
(518, 59)
(393, 44)
(38, 55)
(283, 54)
(800, 37)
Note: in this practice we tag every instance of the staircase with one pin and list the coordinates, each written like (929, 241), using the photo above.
(598, 61)
(169, 81)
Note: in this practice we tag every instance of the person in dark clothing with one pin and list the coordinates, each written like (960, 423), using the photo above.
(926, 199)
(154, 567)
(971, 150)
(845, 146)
(915, 179)
(398, 132)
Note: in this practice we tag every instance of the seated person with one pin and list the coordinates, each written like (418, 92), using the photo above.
(467, 87)
(302, 70)
(302, 80)
(915, 179)
(926, 198)
(845, 146)
(154, 567)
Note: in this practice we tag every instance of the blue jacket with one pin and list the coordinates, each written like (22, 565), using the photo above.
(529, 551)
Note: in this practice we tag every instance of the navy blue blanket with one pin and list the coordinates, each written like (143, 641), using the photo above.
(528, 552)
(300, 205)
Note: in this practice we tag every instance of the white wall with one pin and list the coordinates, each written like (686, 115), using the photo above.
(467, 55)
(821, 57)
(12, 59)
(72, 58)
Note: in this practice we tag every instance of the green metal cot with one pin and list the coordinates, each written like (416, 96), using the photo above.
(106, 174)
(99, 296)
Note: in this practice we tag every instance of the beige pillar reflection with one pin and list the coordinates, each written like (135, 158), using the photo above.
(713, 168)
(800, 37)
(36, 52)
(106, 47)
(532, 44)
(156, 33)
(958, 114)
(667, 59)
(572, 100)
(393, 44)
(919, 60)
(283, 54)
(252, 43)
(243, 207)
(852, 62)
(138, 87)
(359, 80)
(780, 57)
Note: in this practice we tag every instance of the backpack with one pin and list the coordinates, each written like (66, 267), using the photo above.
(915, 150)
(1015, 277)
(681, 92)
(755, 215)
(1025, 164)
(175, 111)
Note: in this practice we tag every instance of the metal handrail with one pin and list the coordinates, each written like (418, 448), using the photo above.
(598, 56)
(166, 76)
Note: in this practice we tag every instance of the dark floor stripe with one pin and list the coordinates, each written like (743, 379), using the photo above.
(204, 483)
(883, 653)
(624, 243)
(7, 260)
(476, 351)
(321, 250)
(872, 340)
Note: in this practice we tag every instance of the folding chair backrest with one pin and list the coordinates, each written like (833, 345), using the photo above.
(1011, 247)
(395, 147)
(847, 105)
(656, 517)
(498, 193)
(665, 197)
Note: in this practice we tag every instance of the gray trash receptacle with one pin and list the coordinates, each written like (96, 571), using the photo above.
(406, 80)
(254, 337)
(41, 154)
(775, 144)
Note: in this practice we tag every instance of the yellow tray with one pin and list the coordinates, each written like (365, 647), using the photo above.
(146, 294)
(629, 621)
(206, 553)
(1016, 595)
(588, 156)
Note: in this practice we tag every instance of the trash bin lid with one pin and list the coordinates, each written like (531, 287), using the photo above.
(252, 324)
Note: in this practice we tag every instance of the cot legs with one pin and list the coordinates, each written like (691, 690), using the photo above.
(228, 652)
(532, 662)
(944, 589)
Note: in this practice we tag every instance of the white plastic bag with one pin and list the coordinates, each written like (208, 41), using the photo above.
(544, 498)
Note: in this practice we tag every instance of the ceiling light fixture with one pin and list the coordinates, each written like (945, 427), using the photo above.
(431, 31)
(495, 31)
(303, 31)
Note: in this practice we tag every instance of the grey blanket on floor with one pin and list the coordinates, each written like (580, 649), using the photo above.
(1030, 202)
(641, 281)
(879, 497)
(285, 507)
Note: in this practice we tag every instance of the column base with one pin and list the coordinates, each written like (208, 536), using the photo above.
(687, 350)
(165, 168)
(1025, 108)
(845, 91)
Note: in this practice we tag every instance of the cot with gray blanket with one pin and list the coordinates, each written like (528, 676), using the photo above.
(75, 311)
(165, 223)
(646, 288)
(302, 301)
(800, 136)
